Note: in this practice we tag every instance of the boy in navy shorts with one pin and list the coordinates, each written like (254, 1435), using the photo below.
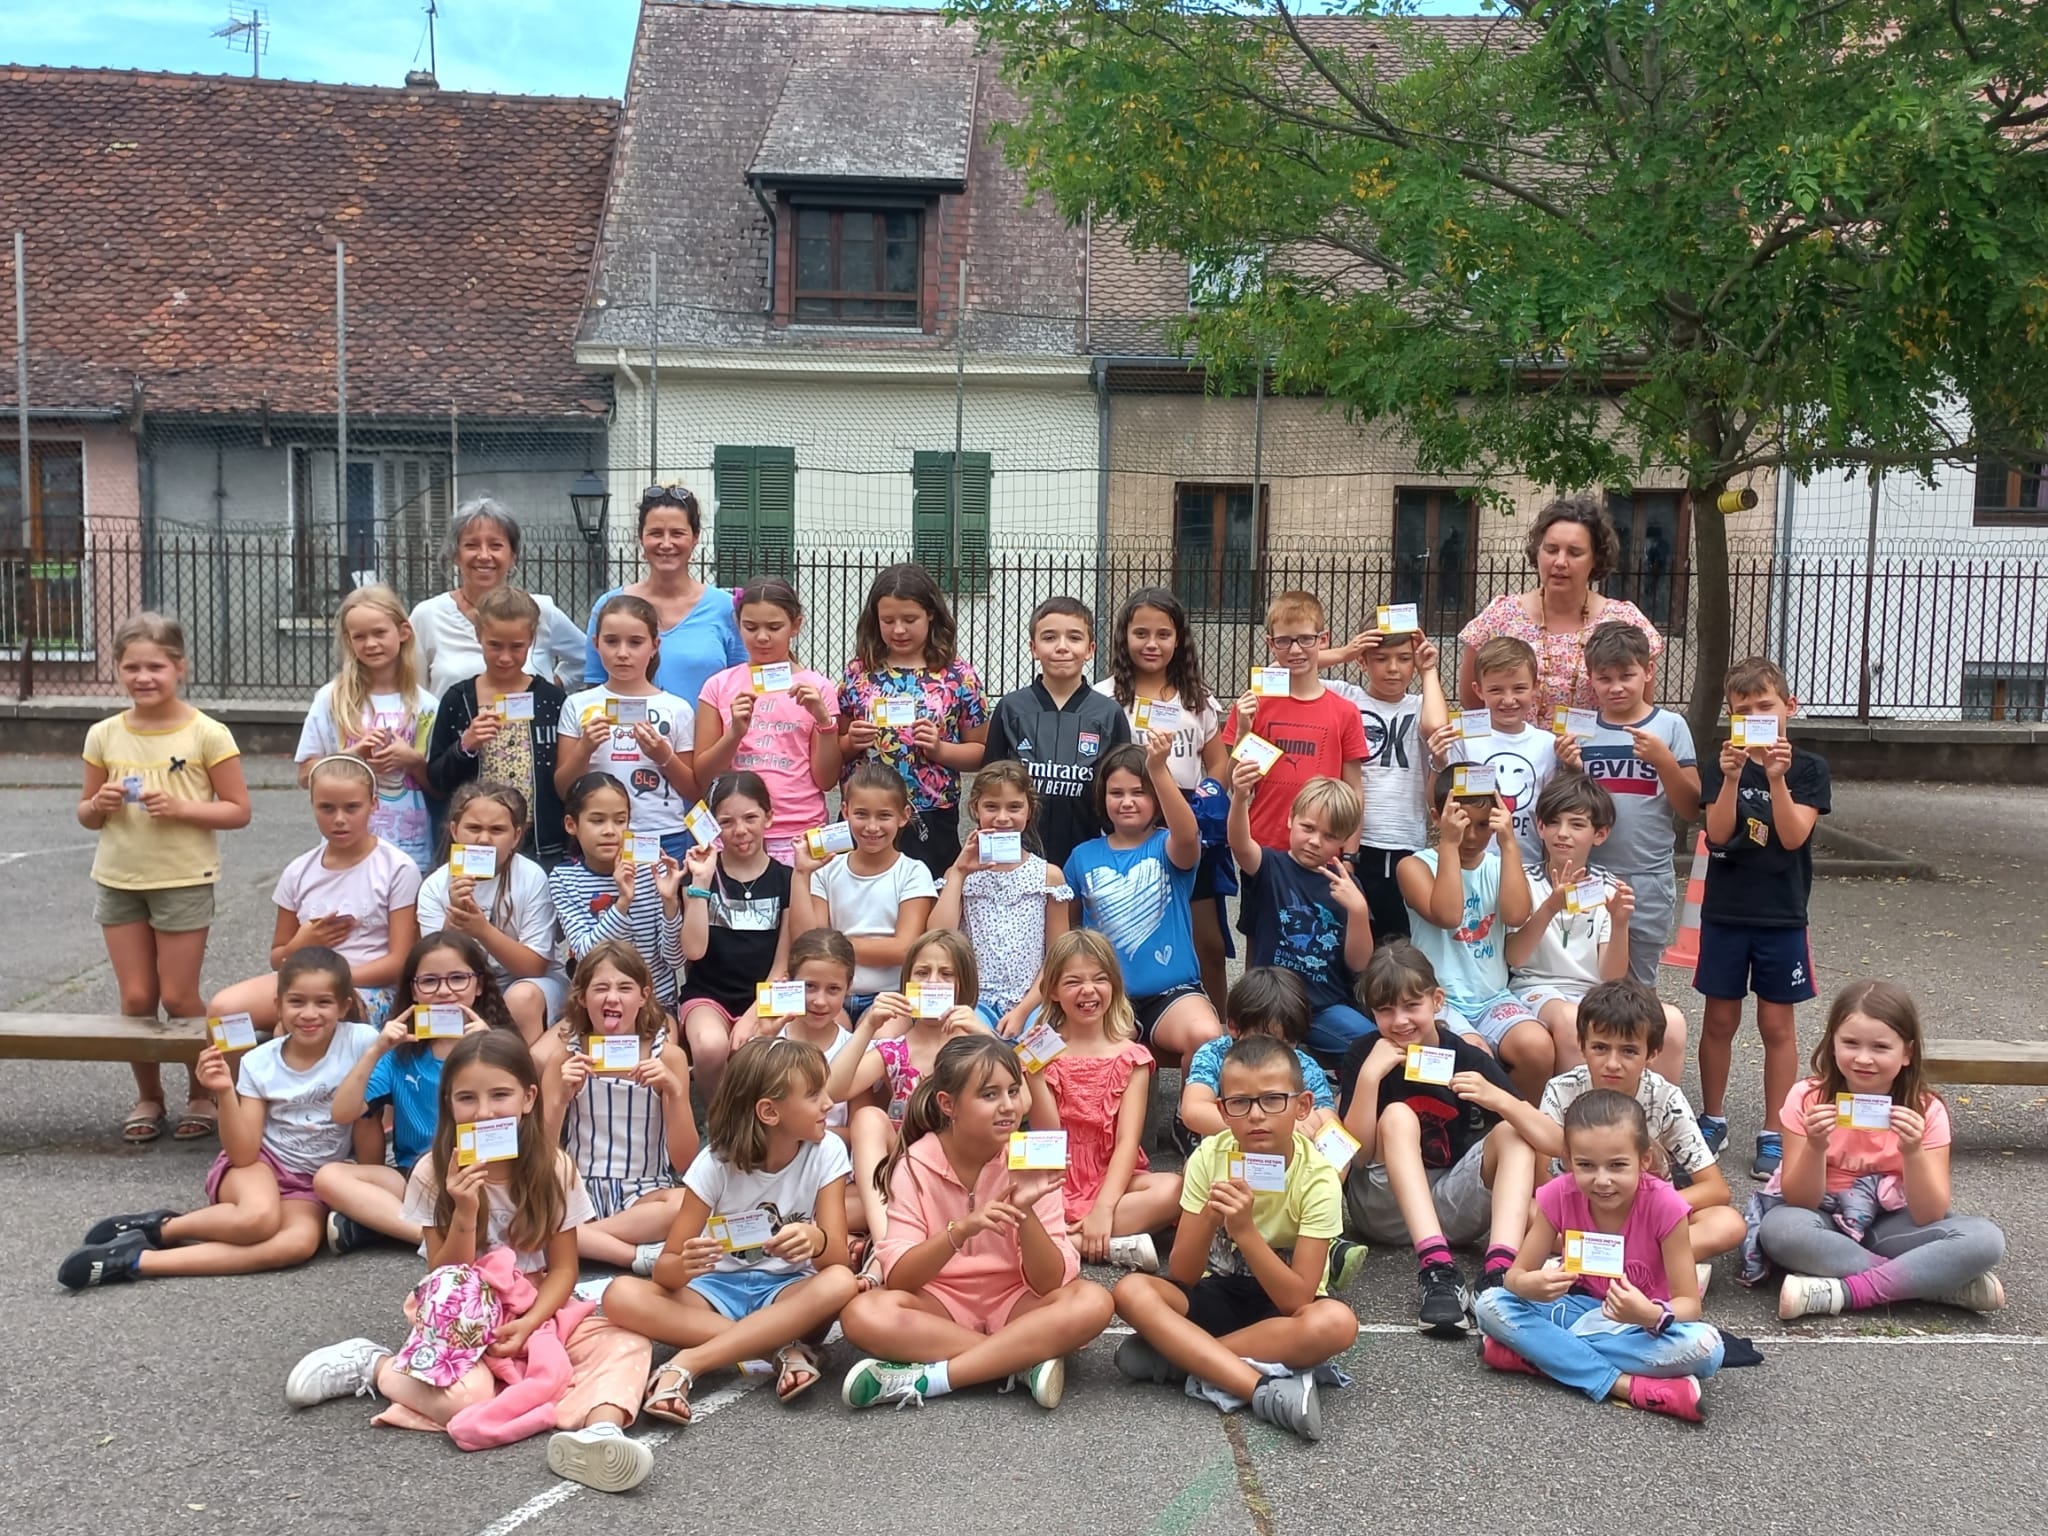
(1761, 803)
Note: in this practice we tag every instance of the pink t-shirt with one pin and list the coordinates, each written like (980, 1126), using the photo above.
(1852, 1154)
(1657, 1210)
(777, 745)
(369, 891)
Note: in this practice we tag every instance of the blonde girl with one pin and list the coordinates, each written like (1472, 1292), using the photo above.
(897, 1062)
(823, 961)
(1860, 1217)
(769, 1154)
(162, 779)
(628, 1128)
(276, 1134)
(878, 897)
(516, 1220)
(735, 924)
(649, 755)
(510, 913)
(983, 1282)
(1098, 1086)
(376, 709)
(787, 735)
(1009, 911)
(355, 894)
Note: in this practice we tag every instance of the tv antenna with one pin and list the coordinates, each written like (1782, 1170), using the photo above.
(247, 28)
(433, 10)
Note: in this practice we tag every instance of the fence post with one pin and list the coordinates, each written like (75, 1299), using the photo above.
(1869, 594)
(341, 399)
(959, 427)
(653, 368)
(28, 619)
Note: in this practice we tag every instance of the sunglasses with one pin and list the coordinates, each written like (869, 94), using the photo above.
(671, 495)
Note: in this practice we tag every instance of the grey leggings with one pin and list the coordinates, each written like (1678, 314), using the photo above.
(1923, 1262)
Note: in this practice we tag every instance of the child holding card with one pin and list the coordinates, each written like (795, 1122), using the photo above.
(1619, 1317)
(1007, 900)
(1271, 1001)
(162, 779)
(936, 1002)
(446, 991)
(738, 895)
(873, 894)
(1059, 727)
(1319, 733)
(355, 894)
(1643, 757)
(1395, 775)
(771, 717)
(500, 727)
(1859, 1214)
(1155, 675)
(276, 1133)
(1302, 907)
(1464, 896)
(1249, 1275)
(755, 1264)
(499, 1204)
(607, 894)
(983, 1282)
(641, 735)
(911, 702)
(1520, 750)
(616, 1090)
(1580, 931)
(1136, 887)
(496, 896)
(820, 975)
(1762, 802)
(1098, 1085)
(375, 708)
(1436, 1162)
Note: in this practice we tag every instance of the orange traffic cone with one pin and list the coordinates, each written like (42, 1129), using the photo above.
(1685, 949)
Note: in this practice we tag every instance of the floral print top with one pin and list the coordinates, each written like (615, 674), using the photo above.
(1561, 679)
(953, 697)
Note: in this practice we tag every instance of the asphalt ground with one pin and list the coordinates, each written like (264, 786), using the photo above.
(158, 1407)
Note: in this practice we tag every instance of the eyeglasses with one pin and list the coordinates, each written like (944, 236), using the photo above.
(672, 495)
(1294, 642)
(454, 981)
(1238, 1105)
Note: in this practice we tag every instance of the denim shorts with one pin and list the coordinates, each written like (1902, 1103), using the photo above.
(738, 1293)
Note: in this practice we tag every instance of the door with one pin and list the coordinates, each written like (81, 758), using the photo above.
(42, 548)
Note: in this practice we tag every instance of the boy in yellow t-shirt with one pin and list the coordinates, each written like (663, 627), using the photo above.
(1248, 1279)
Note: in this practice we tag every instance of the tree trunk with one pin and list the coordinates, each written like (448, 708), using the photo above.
(1712, 615)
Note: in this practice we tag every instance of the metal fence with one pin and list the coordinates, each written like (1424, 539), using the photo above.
(1923, 638)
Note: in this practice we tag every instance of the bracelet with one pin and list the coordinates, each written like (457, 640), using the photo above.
(697, 891)
(952, 1236)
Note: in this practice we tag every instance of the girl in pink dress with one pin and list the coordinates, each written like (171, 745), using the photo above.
(1098, 1085)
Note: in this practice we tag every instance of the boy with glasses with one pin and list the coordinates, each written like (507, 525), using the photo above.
(1319, 733)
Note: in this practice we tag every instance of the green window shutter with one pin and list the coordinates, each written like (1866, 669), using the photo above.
(931, 517)
(755, 528)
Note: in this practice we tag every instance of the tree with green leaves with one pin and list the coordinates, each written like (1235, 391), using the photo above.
(1578, 239)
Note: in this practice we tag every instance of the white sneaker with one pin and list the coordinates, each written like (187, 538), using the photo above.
(1806, 1295)
(1047, 1381)
(1136, 1252)
(347, 1369)
(1986, 1293)
(1703, 1273)
(601, 1457)
(645, 1256)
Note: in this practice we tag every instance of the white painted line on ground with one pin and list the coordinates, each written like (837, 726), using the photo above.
(565, 1490)
(35, 853)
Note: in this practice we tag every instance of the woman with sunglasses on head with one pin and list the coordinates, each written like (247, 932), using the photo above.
(700, 633)
(482, 545)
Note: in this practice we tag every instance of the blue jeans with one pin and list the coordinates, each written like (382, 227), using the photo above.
(1572, 1341)
(1332, 1030)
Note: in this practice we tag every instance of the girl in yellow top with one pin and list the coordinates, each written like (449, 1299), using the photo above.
(161, 779)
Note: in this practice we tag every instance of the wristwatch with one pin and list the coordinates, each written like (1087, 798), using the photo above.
(1665, 1318)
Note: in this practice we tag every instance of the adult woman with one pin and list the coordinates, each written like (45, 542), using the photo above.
(699, 634)
(483, 546)
(1572, 544)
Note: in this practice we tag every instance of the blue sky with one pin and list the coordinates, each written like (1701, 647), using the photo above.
(546, 47)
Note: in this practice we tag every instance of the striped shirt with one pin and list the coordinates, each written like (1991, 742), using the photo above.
(588, 905)
(616, 1131)
(409, 1080)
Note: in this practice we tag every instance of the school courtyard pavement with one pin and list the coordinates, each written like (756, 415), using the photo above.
(159, 1407)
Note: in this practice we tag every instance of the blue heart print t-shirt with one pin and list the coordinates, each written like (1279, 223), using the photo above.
(1144, 906)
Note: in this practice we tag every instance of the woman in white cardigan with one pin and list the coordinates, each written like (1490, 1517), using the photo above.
(483, 546)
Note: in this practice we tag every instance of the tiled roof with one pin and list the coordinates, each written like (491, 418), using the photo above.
(181, 230)
(831, 124)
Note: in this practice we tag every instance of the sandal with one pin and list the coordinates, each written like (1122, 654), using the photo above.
(798, 1361)
(195, 1125)
(140, 1129)
(672, 1402)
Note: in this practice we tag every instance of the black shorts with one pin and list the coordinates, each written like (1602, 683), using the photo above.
(1220, 1305)
(1376, 868)
(932, 838)
(1150, 1010)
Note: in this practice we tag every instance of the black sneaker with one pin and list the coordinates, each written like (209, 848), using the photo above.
(149, 1223)
(1491, 1279)
(102, 1263)
(1139, 1361)
(1446, 1305)
(1184, 1140)
(345, 1234)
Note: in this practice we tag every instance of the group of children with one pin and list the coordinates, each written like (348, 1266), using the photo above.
(925, 1060)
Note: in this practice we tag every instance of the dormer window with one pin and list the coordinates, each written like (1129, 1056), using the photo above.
(858, 266)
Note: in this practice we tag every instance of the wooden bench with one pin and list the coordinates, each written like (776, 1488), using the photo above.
(96, 1037)
(1986, 1061)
